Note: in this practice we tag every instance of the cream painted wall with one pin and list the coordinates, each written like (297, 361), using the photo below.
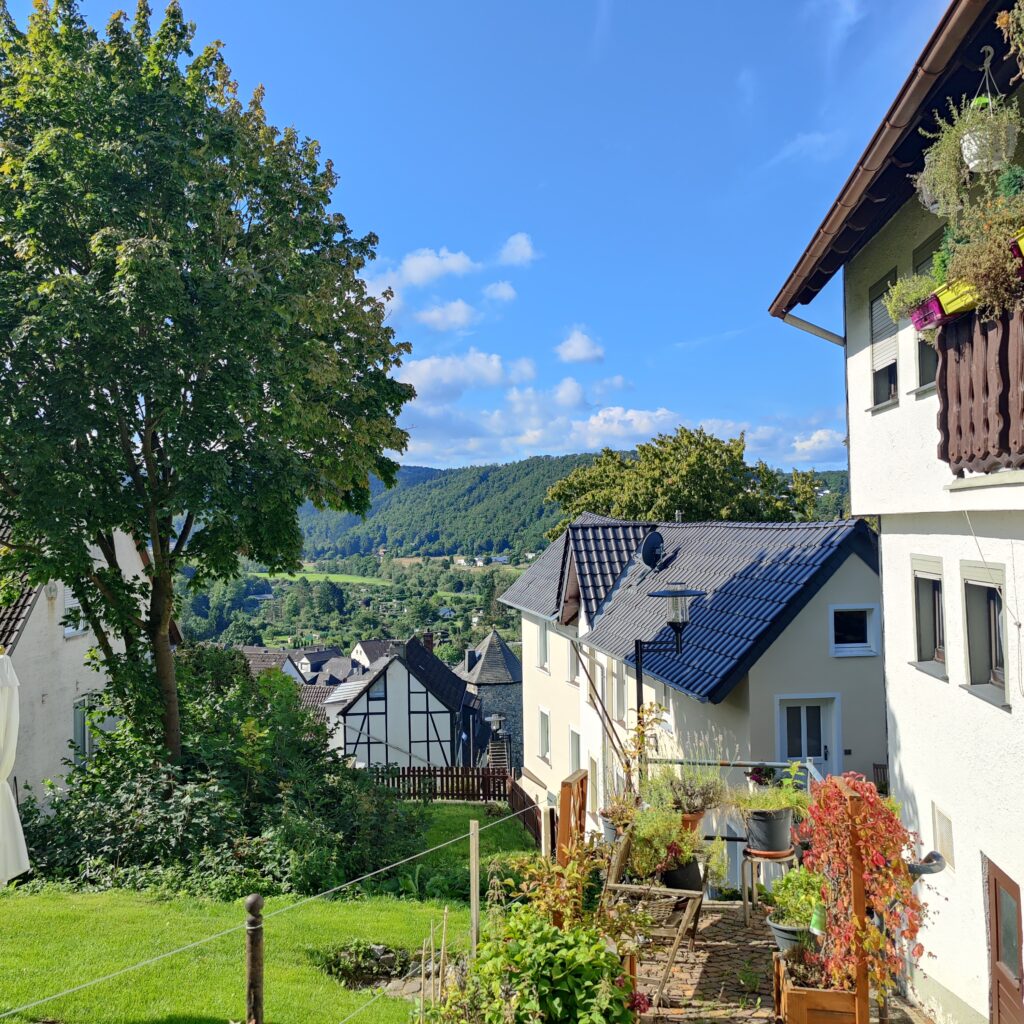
(53, 676)
(950, 748)
(894, 467)
(800, 662)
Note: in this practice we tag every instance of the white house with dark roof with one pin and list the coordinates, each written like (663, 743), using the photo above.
(781, 658)
(936, 449)
(56, 685)
(407, 709)
(261, 659)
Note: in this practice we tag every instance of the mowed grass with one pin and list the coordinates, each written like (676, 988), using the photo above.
(53, 940)
(448, 820)
(317, 577)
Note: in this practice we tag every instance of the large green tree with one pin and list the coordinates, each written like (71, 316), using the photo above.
(690, 473)
(187, 351)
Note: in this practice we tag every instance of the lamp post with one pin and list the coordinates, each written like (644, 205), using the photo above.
(678, 616)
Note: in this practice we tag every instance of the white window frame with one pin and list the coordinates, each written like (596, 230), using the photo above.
(593, 792)
(874, 632)
(80, 730)
(70, 602)
(573, 731)
(543, 651)
(575, 669)
(834, 738)
(378, 689)
(543, 715)
(620, 683)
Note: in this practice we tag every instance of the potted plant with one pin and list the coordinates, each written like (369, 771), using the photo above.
(769, 812)
(662, 848)
(693, 794)
(989, 135)
(793, 900)
(913, 298)
(616, 815)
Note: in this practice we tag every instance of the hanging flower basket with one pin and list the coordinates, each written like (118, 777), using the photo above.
(988, 144)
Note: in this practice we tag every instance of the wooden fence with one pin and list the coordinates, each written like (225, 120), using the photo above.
(427, 782)
(520, 800)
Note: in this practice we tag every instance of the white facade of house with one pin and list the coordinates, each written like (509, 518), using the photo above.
(395, 720)
(49, 659)
(956, 740)
(562, 729)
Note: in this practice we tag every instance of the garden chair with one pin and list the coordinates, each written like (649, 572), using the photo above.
(675, 912)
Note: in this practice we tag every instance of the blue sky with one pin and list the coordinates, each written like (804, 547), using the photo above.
(585, 208)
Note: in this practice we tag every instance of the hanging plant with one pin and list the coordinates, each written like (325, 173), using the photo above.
(1011, 24)
(989, 134)
(906, 295)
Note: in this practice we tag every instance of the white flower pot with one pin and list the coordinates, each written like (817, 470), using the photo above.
(989, 149)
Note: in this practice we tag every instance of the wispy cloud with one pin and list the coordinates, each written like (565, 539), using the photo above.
(746, 87)
(518, 250)
(707, 339)
(443, 379)
(840, 18)
(425, 265)
(817, 146)
(500, 291)
(449, 316)
(579, 347)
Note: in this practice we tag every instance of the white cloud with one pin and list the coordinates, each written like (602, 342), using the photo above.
(817, 146)
(445, 378)
(569, 393)
(821, 444)
(579, 347)
(520, 370)
(518, 250)
(609, 386)
(425, 265)
(450, 316)
(500, 291)
(615, 425)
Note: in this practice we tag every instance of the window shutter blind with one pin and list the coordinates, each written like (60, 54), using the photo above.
(925, 251)
(883, 330)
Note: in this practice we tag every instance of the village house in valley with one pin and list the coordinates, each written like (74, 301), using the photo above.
(496, 675)
(936, 440)
(56, 686)
(781, 658)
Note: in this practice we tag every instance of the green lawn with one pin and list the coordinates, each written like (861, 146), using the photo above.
(53, 940)
(334, 577)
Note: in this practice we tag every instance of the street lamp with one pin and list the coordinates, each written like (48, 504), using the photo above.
(678, 616)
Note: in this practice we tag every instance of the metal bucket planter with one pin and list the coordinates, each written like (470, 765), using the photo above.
(609, 830)
(787, 937)
(769, 831)
(687, 876)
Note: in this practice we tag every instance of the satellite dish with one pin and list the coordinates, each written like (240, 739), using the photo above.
(651, 549)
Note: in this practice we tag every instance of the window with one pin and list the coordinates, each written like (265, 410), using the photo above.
(985, 636)
(544, 740)
(942, 830)
(883, 344)
(620, 692)
(924, 253)
(599, 681)
(575, 751)
(575, 672)
(85, 742)
(593, 791)
(927, 363)
(378, 690)
(71, 605)
(931, 619)
(853, 631)
(542, 646)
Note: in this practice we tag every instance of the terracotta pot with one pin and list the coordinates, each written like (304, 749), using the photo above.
(691, 822)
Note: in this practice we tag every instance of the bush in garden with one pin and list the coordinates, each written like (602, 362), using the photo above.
(528, 970)
(256, 803)
(885, 847)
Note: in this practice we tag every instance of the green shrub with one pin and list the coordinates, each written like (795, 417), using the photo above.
(660, 842)
(528, 970)
(905, 294)
(794, 897)
(257, 802)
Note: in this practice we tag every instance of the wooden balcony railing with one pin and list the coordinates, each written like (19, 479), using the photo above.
(981, 393)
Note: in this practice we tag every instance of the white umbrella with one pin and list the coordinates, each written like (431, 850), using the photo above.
(13, 855)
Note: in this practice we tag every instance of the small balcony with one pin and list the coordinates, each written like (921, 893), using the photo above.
(980, 383)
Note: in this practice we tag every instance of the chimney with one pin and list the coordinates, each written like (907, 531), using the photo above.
(471, 657)
(428, 641)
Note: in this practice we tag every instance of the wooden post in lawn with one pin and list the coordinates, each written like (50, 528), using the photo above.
(474, 885)
(254, 959)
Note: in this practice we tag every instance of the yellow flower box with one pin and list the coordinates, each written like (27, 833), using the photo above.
(956, 297)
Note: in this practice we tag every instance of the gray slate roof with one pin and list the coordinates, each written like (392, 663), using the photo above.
(496, 665)
(317, 656)
(538, 589)
(375, 649)
(313, 697)
(601, 548)
(262, 658)
(756, 578)
(336, 670)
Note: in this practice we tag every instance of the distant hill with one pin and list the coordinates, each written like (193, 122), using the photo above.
(473, 509)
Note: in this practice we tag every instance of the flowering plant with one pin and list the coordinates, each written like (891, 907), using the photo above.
(868, 829)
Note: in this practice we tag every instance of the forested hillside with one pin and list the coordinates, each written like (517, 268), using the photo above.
(472, 510)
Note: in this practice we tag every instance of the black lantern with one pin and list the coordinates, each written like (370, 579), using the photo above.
(679, 599)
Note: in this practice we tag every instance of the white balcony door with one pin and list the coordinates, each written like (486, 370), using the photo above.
(807, 731)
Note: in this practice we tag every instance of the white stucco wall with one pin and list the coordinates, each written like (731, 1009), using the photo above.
(53, 677)
(953, 749)
(894, 467)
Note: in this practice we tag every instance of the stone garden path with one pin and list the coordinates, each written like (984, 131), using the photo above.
(728, 977)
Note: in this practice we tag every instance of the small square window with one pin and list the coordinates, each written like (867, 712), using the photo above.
(378, 690)
(853, 631)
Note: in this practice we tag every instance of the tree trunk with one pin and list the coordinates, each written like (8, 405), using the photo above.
(161, 606)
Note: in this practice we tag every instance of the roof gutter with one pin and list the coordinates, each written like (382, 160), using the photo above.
(939, 51)
(818, 332)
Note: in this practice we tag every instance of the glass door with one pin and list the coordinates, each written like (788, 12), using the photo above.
(805, 732)
(1004, 923)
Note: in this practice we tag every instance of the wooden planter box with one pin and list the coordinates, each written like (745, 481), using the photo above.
(795, 1005)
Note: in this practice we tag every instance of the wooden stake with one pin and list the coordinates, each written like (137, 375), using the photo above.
(433, 975)
(254, 959)
(474, 886)
(444, 952)
(423, 981)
